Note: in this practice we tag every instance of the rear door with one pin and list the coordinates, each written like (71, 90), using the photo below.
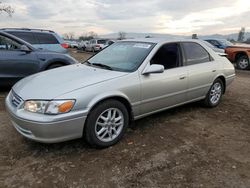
(14, 63)
(201, 69)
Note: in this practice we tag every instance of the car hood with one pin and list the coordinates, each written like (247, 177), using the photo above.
(53, 83)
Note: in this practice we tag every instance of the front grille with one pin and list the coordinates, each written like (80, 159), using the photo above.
(15, 99)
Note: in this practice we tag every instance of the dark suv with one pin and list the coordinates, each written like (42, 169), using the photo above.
(39, 38)
(19, 59)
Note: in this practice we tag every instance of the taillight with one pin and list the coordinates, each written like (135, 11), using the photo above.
(64, 45)
(97, 45)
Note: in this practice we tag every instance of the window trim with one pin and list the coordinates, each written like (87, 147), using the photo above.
(12, 50)
(180, 53)
(185, 62)
(29, 34)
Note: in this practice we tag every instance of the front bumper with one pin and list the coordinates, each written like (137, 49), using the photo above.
(46, 128)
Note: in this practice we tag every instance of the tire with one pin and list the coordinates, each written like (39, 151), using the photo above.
(100, 130)
(214, 95)
(242, 63)
(53, 66)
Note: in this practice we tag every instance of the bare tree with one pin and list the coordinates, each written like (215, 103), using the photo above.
(92, 34)
(121, 35)
(69, 36)
(7, 9)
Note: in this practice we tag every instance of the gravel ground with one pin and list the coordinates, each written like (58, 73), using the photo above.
(189, 146)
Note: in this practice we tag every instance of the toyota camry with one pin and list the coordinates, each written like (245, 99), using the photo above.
(128, 80)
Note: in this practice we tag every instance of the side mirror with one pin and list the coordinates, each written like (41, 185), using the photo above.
(25, 48)
(154, 69)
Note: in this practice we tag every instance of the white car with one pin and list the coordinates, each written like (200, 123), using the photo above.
(95, 45)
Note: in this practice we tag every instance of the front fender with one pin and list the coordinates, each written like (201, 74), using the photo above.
(106, 95)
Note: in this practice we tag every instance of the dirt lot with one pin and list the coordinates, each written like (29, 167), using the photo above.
(189, 146)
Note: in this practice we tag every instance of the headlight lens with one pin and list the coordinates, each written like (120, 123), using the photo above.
(49, 107)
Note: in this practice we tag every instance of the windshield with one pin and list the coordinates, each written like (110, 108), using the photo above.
(123, 56)
(226, 43)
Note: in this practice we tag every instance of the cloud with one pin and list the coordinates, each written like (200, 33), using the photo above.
(104, 16)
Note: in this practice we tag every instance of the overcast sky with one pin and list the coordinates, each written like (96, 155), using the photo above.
(147, 16)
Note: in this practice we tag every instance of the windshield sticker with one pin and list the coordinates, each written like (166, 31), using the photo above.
(140, 45)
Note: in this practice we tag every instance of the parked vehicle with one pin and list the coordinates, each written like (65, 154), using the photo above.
(39, 38)
(239, 54)
(96, 45)
(82, 45)
(73, 44)
(19, 59)
(128, 80)
(219, 43)
(217, 50)
(109, 42)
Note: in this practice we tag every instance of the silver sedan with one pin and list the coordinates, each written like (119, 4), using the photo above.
(128, 80)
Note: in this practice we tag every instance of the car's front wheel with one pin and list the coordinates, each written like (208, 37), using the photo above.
(214, 94)
(243, 63)
(106, 123)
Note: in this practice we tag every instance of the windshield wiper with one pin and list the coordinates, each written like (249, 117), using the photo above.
(87, 62)
(102, 65)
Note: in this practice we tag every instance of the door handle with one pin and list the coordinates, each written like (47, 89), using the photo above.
(182, 77)
(214, 71)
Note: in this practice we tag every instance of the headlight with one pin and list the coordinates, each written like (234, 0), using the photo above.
(49, 107)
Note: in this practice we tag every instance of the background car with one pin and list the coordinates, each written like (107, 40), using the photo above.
(219, 43)
(19, 59)
(82, 45)
(95, 45)
(239, 54)
(129, 80)
(109, 42)
(73, 44)
(39, 38)
(217, 50)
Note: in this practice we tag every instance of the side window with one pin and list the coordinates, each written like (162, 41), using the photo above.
(8, 44)
(168, 56)
(46, 38)
(26, 36)
(195, 53)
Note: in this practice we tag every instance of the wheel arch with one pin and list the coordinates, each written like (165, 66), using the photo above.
(118, 97)
(53, 62)
(239, 54)
(223, 79)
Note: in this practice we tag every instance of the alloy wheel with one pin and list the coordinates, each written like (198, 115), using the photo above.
(109, 125)
(215, 93)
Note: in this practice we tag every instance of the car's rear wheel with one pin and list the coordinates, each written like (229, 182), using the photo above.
(243, 63)
(106, 124)
(214, 94)
(55, 65)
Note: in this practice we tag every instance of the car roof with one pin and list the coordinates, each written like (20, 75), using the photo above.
(161, 40)
(215, 39)
(17, 39)
(27, 30)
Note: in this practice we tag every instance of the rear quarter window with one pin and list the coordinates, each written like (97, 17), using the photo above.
(46, 38)
(26, 36)
(195, 53)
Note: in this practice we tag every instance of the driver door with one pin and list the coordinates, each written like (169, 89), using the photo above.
(15, 63)
(162, 90)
